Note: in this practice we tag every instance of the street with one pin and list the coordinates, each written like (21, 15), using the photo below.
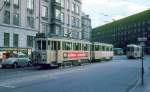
(118, 75)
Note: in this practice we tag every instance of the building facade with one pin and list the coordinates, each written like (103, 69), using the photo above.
(21, 20)
(66, 18)
(18, 23)
(125, 31)
(86, 27)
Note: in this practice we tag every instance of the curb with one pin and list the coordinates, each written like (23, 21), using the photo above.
(133, 85)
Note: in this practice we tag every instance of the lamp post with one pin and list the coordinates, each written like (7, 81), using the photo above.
(142, 41)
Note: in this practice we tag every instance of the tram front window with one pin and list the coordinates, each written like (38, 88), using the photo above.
(41, 45)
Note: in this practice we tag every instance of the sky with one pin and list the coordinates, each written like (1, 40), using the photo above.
(105, 11)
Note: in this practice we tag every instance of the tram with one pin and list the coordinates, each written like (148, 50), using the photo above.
(102, 51)
(134, 51)
(55, 52)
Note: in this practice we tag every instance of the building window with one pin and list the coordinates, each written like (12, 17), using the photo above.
(45, 28)
(30, 4)
(16, 2)
(6, 39)
(57, 14)
(62, 18)
(68, 19)
(30, 40)
(58, 1)
(58, 30)
(68, 4)
(77, 9)
(73, 21)
(77, 22)
(16, 19)
(63, 3)
(15, 40)
(73, 7)
(44, 12)
(30, 21)
(7, 1)
(6, 17)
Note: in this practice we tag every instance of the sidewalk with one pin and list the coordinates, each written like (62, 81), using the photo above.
(146, 86)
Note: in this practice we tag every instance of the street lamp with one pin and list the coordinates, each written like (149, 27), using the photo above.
(142, 41)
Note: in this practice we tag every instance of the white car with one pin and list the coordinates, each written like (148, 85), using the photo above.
(20, 60)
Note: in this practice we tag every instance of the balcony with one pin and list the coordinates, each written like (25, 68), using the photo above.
(55, 21)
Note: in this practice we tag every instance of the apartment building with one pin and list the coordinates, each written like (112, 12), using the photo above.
(20, 20)
(71, 19)
(86, 27)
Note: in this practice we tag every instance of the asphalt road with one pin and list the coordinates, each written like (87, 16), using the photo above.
(99, 77)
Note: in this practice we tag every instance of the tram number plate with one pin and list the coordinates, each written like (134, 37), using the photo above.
(75, 54)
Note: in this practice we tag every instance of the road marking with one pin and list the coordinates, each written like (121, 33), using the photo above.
(7, 86)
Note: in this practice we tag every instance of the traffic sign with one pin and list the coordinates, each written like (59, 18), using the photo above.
(142, 39)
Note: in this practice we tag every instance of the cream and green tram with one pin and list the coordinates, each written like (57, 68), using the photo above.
(52, 52)
(102, 51)
(134, 51)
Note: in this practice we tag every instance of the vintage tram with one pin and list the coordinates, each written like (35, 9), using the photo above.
(55, 52)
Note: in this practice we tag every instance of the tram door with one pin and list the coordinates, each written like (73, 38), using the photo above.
(55, 48)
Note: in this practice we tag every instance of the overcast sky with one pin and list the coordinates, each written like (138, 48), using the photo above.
(104, 11)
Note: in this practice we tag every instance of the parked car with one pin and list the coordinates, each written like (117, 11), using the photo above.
(19, 60)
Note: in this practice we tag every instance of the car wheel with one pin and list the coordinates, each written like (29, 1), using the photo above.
(15, 65)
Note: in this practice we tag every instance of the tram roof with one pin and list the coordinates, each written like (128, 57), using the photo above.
(133, 45)
(63, 39)
(98, 43)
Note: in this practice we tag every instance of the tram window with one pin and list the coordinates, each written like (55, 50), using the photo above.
(130, 49)
(84, 47)
(111, 48)
(100, 48)
(77, 46)
(43, 45)
(103, 48)
(107, 48)
(67, 46)
(39, 45)
(55, 45)
(97, 47)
